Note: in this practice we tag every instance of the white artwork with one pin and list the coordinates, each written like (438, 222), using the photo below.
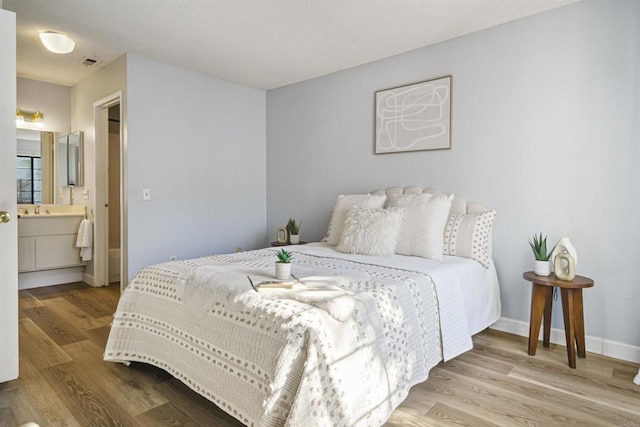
(414, 117)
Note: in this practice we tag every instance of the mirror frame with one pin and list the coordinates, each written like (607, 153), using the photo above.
(71, 164)
(62, 167)
(49, 167)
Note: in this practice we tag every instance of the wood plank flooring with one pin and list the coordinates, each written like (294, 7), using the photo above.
(64, 382)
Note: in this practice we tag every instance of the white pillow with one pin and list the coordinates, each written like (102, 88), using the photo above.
(469, 236)
(336, 224)
(370, 231)
(423, 223)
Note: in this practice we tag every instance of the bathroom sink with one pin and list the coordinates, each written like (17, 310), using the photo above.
(49, 215)
(49, 210)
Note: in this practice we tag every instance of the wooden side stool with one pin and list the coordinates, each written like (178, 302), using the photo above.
(572, 311)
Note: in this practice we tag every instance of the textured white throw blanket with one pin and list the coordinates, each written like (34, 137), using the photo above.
(292, 358)
(205, 285)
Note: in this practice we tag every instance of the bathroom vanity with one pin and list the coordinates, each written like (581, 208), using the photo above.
(47, 247)
(47, 232)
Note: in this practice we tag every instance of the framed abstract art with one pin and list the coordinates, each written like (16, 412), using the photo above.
(414, 117)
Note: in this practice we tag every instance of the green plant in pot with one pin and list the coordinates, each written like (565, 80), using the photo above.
(542, 254)
(293, 230)
(283, 264)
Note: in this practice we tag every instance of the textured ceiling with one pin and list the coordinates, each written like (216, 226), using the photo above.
(258, 43)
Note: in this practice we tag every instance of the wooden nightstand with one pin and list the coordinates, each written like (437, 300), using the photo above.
(572, 310)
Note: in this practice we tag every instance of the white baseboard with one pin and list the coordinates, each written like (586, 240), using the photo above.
(89, 279)
(593, 344)
(59, 276)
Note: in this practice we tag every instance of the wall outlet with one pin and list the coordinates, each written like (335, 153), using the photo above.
(172, 258)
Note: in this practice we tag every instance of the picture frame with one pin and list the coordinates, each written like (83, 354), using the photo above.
(414, 117)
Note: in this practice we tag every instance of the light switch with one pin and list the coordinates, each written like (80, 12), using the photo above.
(146, 194)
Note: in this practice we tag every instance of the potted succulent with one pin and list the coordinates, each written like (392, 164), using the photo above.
(283, 264)
(293, 230)
(542, 255)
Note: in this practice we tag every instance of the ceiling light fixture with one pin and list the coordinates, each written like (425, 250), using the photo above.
(57, 42)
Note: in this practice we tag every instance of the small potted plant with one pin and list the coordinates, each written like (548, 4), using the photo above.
(293, 230)
(283, 264)
(542, 255)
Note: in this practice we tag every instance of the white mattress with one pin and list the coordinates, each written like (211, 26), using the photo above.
(479, 285)
(274, 361)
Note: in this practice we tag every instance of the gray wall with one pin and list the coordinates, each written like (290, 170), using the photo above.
(107, 80)
(199, 144)
(54, 101)
(545, 130)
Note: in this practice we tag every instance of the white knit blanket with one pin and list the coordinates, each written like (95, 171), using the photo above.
(233, 285)
(288, 359)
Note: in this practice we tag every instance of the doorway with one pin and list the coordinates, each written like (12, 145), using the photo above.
(113, 184)
(110, 208)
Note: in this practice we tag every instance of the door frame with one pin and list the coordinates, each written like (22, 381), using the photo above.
(101, 214)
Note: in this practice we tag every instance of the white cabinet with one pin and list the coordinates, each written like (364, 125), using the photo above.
(48, 241)
(26, 254)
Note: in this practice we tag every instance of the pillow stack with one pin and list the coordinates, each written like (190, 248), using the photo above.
(409, 224)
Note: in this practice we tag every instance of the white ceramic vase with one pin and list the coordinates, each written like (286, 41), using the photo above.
(564, 246)
(283, 270)
(542, 268)
(282, 235)
(294, 239)
(564, 266)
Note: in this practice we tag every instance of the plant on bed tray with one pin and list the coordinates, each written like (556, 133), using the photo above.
(283, 265)
(293, 229)
(542, 255)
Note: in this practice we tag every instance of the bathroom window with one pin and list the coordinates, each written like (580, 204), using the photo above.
(29, 179)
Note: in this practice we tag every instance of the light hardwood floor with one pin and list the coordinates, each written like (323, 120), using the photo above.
(64, 382)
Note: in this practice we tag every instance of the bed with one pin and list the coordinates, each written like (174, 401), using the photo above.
(343, 347)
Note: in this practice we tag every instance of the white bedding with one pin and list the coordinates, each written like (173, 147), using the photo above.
(269, 360)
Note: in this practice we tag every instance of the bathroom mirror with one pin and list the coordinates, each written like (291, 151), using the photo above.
(34, 166)
(75, 152)
(63, 170)
(70, 160)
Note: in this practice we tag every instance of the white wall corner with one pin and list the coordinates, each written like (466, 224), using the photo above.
(89, 279)
(596, 345)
